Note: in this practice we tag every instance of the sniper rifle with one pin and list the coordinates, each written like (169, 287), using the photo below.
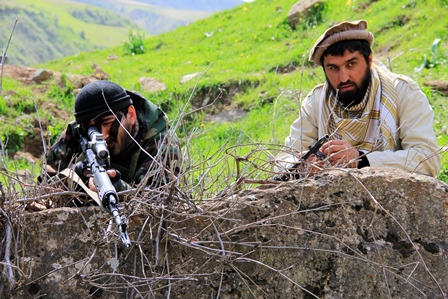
(97, 160)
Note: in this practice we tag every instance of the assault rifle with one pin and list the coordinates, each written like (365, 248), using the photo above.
(313, 149)
(97, 160)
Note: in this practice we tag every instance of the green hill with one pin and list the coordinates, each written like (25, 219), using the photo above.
(52, 29)
(162, 16)
(55, 29)
(254, 70)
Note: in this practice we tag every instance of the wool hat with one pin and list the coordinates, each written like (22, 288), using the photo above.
(343, 31)
(97, 97)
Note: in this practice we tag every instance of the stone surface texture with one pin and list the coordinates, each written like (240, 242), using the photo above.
(300, 9)
(371, 233)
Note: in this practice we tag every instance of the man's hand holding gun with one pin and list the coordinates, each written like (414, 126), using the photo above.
(96, 162)
(314, 151)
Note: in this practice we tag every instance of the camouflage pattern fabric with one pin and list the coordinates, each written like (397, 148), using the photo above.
(156, 159)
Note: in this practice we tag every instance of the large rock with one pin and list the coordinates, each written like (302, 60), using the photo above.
(372, 233)
(42, 75)
(301, 10)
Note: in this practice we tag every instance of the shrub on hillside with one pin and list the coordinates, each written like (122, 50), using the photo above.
(134, 45)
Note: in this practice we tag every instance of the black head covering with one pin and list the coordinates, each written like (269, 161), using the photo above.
(97, 97)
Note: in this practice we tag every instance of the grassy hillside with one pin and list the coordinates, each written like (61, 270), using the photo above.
(52, 29)
(253, 64)
(157, 16)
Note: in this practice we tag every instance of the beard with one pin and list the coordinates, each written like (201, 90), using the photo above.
(119, 144)
(355, 96)
(118, 139)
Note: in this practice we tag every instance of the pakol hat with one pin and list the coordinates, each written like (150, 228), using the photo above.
(100, 97)
(343, 31)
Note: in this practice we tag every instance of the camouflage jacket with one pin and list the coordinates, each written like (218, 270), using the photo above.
(156, 157)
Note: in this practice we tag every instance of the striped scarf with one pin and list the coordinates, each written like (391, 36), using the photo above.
(370, 125)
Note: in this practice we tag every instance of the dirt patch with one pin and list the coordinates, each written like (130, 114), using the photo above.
(53, 109)
(33, 146)
(218, 101)
(440, 86)
(19, 73)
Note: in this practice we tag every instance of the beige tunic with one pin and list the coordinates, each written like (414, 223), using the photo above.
(415, 147)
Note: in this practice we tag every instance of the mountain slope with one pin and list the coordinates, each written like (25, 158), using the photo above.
(52, 29)
(156, 17)
(55, 29)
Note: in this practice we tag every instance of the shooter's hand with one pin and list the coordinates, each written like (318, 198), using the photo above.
(341, 153)
(113, 174)
(312, 165)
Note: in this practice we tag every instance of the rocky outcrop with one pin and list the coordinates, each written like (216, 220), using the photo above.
(42, 75)
(371, 233)
(301, 10)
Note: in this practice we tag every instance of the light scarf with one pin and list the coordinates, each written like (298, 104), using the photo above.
(370, 125)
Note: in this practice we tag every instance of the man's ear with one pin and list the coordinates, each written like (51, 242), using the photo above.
(132, 115)
(370, 59)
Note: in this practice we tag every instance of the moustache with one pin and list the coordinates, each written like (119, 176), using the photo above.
(348, 83)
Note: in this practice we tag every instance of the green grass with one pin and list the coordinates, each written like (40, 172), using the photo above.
(241, 49)
(51, 29)
(92, 32)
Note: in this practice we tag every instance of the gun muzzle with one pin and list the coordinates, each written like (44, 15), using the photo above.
(120, 221)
